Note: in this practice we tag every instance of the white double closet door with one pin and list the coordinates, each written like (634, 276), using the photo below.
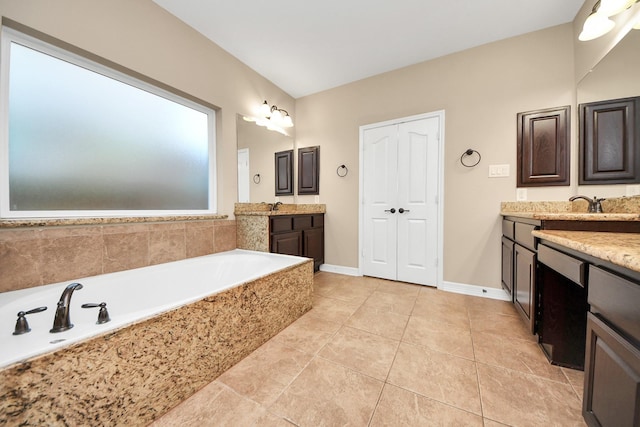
(400, 200)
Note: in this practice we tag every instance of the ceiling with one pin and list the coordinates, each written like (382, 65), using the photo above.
(307, 46)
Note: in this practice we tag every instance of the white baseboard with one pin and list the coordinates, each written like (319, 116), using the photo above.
(474, 290)
(348, 271)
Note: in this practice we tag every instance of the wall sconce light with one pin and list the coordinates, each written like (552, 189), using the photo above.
(598, 23)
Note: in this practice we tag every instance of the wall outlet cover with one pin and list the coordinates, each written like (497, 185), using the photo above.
(521, 194)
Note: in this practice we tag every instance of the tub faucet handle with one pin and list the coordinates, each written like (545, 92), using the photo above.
(22, 326)
(103, 314)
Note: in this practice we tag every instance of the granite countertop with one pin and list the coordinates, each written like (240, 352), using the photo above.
(263, 209)
(574, 216)
(622, 249)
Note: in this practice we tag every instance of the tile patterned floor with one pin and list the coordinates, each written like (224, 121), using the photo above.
(378, 353)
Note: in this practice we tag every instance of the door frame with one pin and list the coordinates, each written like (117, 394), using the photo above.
(440, 114)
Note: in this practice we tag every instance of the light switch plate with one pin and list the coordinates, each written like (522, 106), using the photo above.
(499, 171)
(317, 200)
(521, 194)
(633, 190)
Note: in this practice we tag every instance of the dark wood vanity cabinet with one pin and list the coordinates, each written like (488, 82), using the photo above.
(299, 235)
(519, 267)
(612, 362)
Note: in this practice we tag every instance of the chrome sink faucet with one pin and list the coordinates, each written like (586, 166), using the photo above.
(594, 204)
(62, 320)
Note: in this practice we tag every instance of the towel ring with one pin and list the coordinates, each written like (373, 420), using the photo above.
(256, 178)
(470, 152)
(342, 171)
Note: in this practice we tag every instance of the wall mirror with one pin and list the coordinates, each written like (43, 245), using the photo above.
(614, 77)
(256, 170)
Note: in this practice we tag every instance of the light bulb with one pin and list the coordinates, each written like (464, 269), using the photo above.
(276, 117)
(613, 7)
(596, 25)
(287, 122)
(265, 110)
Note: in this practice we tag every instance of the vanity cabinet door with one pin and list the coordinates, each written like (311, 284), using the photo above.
(287, 243)
(525, 276)
(507, 266)
(612, 378)
(313, 246)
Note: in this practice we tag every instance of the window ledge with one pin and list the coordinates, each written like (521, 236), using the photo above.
(53, 222)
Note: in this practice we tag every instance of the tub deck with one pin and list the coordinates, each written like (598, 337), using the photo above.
(135, 374)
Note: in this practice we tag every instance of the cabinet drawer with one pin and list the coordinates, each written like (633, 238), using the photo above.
(302, 222)
(318, 221)
(616, 299)
(508, 229)
(570, 267)
(523, 235)
(280, 224)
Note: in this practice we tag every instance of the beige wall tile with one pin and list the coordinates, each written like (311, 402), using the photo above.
(224, 236)
(70, 252)
(19, 260)
(199, 238)
(166, 243)
(125, 250)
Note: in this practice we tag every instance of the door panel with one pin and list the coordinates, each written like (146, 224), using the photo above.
(417, 192)
(380, 147)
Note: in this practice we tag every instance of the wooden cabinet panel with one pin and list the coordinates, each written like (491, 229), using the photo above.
(309, 170)
(313, 245)
(524, 284)
(609, 139)
(507, 266)
(287, 243)
(543, 147)
(284, 173)
(612, 378)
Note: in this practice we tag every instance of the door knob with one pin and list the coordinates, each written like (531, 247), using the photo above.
(392, 210)
(401, 210)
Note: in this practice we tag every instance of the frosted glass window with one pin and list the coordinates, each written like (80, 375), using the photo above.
(84, 139)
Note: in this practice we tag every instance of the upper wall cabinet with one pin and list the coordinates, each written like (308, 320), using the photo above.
(284, 173)
(308, 170)
(609, 139)
(543, 147)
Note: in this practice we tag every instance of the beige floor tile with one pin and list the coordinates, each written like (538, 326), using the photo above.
(441, 311)
(362, 351)
(398, 407)
(452, 298)
(520, 355)
(265, 373)
(443, 377)
(519, 399)
(383, 301)
(351, 292)
(379, 321)
(491, 423)
(576, 379)
(436, 335)
(333, 310)
(500, 324)
(308, 334)
(491, 306)
(328, 394)
(215, 405)
(398, 288)
(270, 420)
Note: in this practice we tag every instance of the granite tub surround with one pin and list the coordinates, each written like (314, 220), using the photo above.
(615, 209)
(37, 255)
(622, 249)
(135, 374)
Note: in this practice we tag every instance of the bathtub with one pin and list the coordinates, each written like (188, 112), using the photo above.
(206, 313)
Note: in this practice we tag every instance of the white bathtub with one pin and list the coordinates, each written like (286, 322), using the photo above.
(131, 296)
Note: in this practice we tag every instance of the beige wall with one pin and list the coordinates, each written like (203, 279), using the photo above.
(481, 91)
(145, 38)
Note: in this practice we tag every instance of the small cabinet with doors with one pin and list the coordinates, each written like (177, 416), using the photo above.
(300, 235)
(612, 362)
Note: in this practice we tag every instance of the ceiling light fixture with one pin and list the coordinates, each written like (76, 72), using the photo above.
(598, 22)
